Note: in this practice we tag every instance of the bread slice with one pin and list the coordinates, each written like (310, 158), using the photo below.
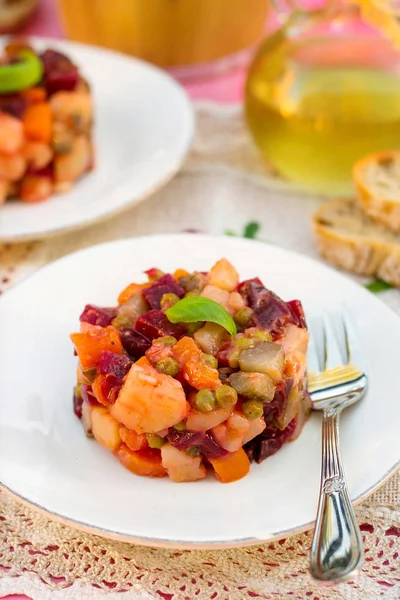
(351, 240)
(377, 180)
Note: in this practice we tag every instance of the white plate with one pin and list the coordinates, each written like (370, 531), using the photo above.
(143, 129)
(46, 459)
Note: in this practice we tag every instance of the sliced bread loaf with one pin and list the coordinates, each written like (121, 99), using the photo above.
(350, 239)
(377, 179)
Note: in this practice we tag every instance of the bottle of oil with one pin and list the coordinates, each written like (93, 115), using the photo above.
(321, 94)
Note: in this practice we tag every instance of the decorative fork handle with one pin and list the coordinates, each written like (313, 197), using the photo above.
(336, 550)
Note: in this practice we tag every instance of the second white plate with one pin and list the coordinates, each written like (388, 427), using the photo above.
(143, 130)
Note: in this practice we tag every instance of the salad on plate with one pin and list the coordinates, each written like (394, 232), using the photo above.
(193, 372)
(46, 121)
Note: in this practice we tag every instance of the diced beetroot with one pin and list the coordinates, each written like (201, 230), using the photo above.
(46, 171)
(134, 343)
(152, 273)
(275, 408)
(88, 396)
(77, 401)
(243, 286)
(13, 104)
(111, 386)
(210, 448)
(59, 72)
(297, 311)
(115, 364)
(165, 285)
(269, 441)
(223, 353)
(182, 440)
(154, 324)
(96, 315)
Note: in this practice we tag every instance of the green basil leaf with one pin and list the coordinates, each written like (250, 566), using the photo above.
(251, 230)
(378, 286)
(197, 308)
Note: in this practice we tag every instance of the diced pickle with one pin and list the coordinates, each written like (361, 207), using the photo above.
(255, 386)
(264, 357)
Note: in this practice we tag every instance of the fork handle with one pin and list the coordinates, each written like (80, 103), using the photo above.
(336, 550)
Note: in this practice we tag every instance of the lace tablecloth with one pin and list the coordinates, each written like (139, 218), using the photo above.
(224, 188)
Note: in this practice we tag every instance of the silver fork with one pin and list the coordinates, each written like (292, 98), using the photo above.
(339, 382)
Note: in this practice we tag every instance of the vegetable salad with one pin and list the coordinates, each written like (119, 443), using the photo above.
(192, 372)
(46, 115)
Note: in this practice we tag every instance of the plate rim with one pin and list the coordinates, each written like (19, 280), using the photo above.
(179, 161)
(184, 544)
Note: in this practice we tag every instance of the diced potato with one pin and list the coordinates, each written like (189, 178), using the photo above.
(149, 401)
(105, 428)
(224, 275)
(294, 340)
(212, 292)
(198, 421)
(256, 426)
(230, 434)
(87, 418)
(265, 357)
(235, 302)
(256, 386)
(180, 466)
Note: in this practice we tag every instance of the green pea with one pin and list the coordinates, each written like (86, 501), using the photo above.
(226, 396)
(193, 451)
(243, 317)
(205, 401)
(209, 359)
(154, 440)
(253, 409)
(167, 340)
(192, 293)
(121, 321)
(168, 300)
(244, 342)
(262, 336)
(193, 327)
(168, 366)
(180, 426)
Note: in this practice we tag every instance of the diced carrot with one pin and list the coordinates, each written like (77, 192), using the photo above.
(180, 273)
(143, 362)
(35, 188)
(134, 441)
(200, 375)
(231, 467)
(90, 345)
(186, 349)
(35, 94)
(131, 290)
(38, 122)
(143, 462)
(98, 392)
